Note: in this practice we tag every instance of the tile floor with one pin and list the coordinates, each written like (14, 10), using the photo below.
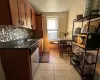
(56, 69)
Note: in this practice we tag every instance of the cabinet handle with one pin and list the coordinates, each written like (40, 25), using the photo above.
(19, 22)
(23, 22)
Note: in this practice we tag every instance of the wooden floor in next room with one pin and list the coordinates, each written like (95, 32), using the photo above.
(57, 69)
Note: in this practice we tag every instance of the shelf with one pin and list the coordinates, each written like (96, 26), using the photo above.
(85, 34)
(80, 70)
(81, 35)
(86, 42)
(82, 46)
(93, 16)
(76, 67)
(73, 62)
(92, 41)
(92, 52)
(78, 61)
(96, 19)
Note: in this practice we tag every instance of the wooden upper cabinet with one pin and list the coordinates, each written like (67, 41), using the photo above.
(38, 31)
(14, 11)
(17, 12)
(39, 21)
(33, 17)
(22, 16)
(28, 16)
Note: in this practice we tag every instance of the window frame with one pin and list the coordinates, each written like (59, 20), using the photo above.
(53, 29)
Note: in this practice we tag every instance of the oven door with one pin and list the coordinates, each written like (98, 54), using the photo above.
(34, 60)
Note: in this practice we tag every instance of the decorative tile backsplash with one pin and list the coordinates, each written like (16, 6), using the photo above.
(11, 32)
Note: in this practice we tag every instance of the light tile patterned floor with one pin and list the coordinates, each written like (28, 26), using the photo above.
(57, 69)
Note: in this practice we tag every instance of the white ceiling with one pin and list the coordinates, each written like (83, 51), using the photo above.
(52, 5)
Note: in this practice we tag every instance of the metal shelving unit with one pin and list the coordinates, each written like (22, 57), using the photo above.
(91, 41)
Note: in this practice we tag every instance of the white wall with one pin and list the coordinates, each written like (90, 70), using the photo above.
(63, 23)
(77, 8)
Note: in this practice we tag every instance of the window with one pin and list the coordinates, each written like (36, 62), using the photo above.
(52, 28)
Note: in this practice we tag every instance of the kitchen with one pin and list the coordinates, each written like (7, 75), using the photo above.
(25, 36)
(19, 23)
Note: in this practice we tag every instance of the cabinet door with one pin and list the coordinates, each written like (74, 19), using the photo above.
(39, 21)
(14, 11)
(28, 16)
(39, 26)
(33, 19)
(21, 6)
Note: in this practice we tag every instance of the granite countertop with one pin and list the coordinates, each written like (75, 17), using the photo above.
(18, 44)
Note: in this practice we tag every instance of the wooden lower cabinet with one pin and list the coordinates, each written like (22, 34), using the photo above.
(16, 64)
